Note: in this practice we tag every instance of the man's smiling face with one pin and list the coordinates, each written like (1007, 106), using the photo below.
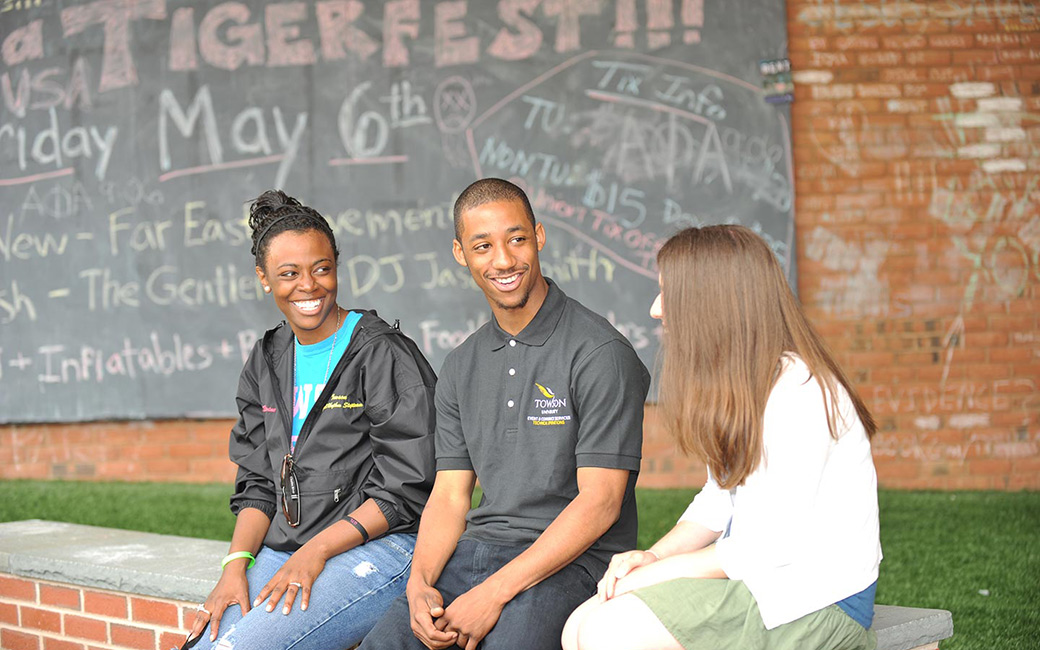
(500, 244)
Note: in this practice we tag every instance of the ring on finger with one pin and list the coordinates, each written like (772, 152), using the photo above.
(296, 584)
(201, 607)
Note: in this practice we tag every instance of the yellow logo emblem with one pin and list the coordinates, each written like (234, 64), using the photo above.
(550, 410)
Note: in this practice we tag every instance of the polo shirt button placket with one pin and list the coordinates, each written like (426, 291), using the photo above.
(512, 401)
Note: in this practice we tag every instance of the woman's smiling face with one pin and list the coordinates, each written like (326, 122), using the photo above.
(301, 273)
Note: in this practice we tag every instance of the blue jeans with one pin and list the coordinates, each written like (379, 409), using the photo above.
(352, 592)
(531, 621)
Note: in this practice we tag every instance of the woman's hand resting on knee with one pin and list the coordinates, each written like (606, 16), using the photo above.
(295, 578)
(620, 566)
(231, 589)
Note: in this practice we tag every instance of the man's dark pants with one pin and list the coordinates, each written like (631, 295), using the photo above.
(532, 621)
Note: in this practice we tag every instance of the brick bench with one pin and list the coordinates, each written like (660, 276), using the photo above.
(75, 587)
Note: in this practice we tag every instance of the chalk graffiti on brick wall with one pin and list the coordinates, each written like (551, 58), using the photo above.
(999, 238)
(924, 447)
(29, 447)
(1011, 15)
(962, 261)
(957, 420)
(856, 290)
(989, 219)
(993, 133)
(846, 151)
(928, 402)
(991, 216)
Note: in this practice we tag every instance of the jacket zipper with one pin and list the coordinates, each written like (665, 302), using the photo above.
(322, 399)
(330, 388)
(286, 414)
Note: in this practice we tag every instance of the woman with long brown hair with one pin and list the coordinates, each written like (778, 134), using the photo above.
(780, 549)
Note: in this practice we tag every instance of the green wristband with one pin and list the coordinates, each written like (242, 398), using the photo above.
(231, 557)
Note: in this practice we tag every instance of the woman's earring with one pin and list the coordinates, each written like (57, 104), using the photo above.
(267, 289)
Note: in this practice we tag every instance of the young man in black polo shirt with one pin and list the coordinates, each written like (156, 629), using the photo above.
(545, 406)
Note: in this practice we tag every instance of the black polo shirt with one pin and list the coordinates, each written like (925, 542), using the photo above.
(526, 411)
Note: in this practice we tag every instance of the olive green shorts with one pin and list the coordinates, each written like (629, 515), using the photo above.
(707, 614)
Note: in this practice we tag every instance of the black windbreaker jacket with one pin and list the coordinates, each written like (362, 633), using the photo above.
(368, 435)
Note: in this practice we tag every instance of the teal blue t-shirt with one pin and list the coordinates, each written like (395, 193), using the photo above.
(312, 362)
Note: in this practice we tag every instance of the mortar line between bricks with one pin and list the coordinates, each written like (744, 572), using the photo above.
(121, 621)
(91, 615)
(93, 644)
(104, 590)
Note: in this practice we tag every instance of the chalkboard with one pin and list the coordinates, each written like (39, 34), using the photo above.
(133, 133)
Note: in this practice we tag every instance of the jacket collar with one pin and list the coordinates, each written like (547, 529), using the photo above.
(541, 326)
(279, 340)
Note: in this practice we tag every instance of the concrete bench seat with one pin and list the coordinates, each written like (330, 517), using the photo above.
(164, 566)
(53, 571)
(911, 628)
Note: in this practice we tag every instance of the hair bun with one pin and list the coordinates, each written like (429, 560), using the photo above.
(269, 205)
(274, 211)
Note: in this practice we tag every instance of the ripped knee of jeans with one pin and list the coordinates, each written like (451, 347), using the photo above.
(227, 640)
(365, 568)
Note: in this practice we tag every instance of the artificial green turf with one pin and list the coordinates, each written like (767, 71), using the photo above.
(942, 549)
(167, 508)
(976, 554)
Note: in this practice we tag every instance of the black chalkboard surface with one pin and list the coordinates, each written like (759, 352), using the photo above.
(134, 132)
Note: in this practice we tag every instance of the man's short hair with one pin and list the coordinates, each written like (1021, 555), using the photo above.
(489, 190)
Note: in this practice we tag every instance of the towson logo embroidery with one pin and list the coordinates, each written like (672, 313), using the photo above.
(549, 410)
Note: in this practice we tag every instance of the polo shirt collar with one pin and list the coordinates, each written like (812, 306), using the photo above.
(541, 326)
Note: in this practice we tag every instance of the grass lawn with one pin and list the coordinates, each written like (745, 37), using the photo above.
(976, 554)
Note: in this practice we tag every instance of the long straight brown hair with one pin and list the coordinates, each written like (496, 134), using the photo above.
(729, 316)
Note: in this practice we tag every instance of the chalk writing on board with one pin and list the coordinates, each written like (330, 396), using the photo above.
(232, 35)
(59, 146)
(157, 354)
(133, 134)
(633, 133)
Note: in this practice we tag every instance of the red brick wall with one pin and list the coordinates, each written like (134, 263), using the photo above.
(195, 451)
(917, 171)
(916, 136)
(192, 451)
(41, 615)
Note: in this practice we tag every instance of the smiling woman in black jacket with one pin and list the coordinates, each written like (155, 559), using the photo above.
(334, 447)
